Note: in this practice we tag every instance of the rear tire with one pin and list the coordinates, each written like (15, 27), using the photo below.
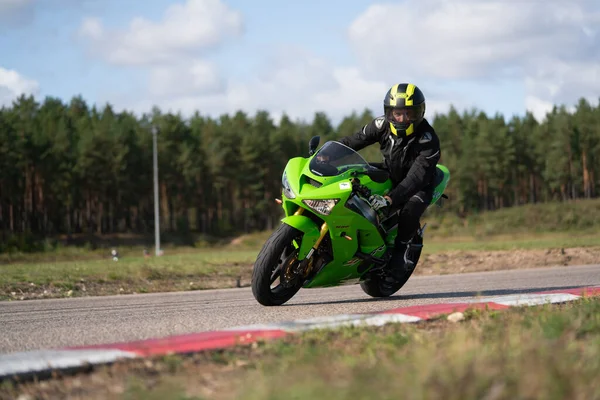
(269, 264)
(377, 286)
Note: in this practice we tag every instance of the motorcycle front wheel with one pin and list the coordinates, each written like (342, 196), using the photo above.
(273, 282)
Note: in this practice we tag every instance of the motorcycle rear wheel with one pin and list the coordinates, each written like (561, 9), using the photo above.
(377, 286)
(273, 263)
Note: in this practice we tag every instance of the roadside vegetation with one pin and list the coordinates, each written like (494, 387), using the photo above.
(69, 167)
(519, 237)
(574, 218)
(546, 352)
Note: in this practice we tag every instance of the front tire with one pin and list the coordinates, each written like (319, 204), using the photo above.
(378, 286)
(275, 259)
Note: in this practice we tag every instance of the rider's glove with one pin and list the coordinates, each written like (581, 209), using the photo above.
(378, 202)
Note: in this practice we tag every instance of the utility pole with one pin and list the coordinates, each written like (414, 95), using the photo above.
(156, 212)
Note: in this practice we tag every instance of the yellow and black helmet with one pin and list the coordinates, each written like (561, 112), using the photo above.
(404, 108)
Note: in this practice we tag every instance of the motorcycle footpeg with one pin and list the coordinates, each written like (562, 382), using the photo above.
(373, 259)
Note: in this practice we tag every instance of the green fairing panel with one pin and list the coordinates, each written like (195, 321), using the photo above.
(342, 220)
(443, 182)
(310, 229)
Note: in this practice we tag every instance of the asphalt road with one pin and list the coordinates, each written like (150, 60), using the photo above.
(44, 324)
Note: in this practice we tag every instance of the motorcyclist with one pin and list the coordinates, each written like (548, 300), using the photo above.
(411, 150)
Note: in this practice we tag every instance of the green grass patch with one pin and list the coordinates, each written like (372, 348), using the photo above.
(535, 353)
(74, 271)
(221, 267)
(523, 241)
(545, 352)
(187, 271)
(572, 216)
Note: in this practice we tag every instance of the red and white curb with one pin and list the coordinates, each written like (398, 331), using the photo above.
(41, 362)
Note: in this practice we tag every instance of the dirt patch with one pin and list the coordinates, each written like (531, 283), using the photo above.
(28, 291)
(442, 263)
(455, 262)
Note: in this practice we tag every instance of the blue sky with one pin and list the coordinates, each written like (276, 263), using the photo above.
(336, 56)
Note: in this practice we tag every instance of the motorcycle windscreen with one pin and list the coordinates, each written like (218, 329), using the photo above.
(334, 158)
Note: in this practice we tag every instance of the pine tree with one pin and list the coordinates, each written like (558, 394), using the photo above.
(586, 126)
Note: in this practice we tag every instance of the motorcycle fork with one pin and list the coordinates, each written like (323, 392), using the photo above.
(324, 230)
(305, 266)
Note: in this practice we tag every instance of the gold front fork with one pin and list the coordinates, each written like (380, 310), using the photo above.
(307, 264)
(324, 230)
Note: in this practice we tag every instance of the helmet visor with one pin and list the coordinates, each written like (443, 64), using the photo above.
(402, 115)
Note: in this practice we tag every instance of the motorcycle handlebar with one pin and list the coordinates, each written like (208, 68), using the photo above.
(360, 189)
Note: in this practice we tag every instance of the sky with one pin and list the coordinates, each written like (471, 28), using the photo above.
(301, 57)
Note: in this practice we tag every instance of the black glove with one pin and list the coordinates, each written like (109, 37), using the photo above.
(378, 203)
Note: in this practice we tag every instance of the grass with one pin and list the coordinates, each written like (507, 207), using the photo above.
(531, 353)
(572, 216)
(186, 271)
(221, 267)
(546, 352)
(77, 271)
(525, 241)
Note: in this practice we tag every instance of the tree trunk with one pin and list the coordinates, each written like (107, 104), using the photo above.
(481, 194)
(26, 213)
(592, 184)
(172, 218)
(88, 209)
(69, 228)
(99, 216)
(571, 187)
(587, 192)
(532, 194)
(11, 218)
(164, 205)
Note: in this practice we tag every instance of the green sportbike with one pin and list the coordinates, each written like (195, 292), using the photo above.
(330, 235)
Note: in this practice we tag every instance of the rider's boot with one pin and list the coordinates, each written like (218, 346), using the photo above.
(400, 264)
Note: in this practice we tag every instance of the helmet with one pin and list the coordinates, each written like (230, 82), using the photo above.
(404, 108)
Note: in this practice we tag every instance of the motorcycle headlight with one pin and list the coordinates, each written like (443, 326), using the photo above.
(287, 189)
(322, 207)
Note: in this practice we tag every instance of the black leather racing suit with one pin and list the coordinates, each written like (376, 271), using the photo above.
(411, 161)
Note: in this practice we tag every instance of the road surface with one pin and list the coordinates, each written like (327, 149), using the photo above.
(45, 324)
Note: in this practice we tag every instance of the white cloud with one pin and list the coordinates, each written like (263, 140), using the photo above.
(180, 79)
(538, 107)
(92, 28)
(183, 79)
(185, 30)
(551, 46)
(12, 85)
(298, 87)
(561, 83)
(470, 38)
(351, 92)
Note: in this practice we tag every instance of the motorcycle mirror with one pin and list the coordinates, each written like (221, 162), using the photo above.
(313, 144)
